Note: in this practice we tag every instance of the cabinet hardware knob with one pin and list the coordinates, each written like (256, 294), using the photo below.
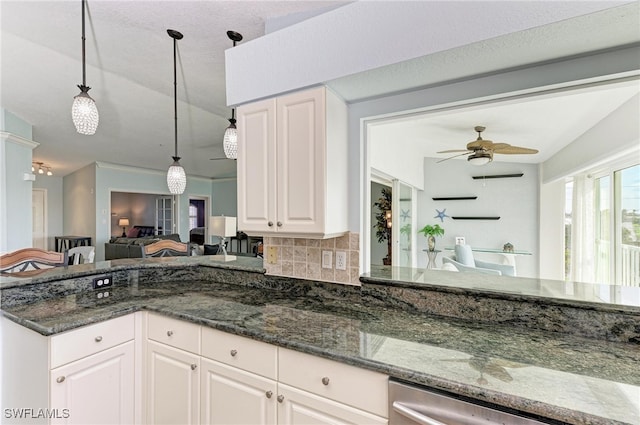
(194, 366)
(270, 224)
(233, 353)
(280, 398)
(98, 338)
(325, 381)
(279, 224)
(60, 379)
(169, 333)
(269, 394)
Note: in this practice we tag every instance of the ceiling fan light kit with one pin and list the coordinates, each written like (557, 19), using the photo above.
(481, 151)
(84, 112)
(176, 177)
(230, 141)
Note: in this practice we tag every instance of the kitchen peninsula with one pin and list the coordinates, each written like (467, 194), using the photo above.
(380, 327)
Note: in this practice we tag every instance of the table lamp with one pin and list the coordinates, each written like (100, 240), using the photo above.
(123, 222)
(223, 227)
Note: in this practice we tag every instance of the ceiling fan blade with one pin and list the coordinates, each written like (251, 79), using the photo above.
(454, 156)
(455, 150)
(216, 159)
(514, 150)
(480, 144)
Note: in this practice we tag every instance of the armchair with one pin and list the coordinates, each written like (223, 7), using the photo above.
(463, 261)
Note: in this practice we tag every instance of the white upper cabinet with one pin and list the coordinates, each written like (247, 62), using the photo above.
(292, 165)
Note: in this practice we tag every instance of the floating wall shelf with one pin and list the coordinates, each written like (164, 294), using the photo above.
(475, 218)
(497, 176)
(454, 198)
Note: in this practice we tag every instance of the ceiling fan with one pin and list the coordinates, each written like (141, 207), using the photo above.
(481, 151)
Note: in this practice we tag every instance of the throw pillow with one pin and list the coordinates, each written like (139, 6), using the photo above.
(464, 255)
(133, 232)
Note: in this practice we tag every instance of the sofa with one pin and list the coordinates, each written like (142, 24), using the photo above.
(121, 247)
(464, 261)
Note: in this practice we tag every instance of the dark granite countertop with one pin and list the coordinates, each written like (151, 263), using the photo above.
(563, 377)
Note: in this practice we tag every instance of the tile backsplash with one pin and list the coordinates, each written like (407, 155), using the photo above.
(302, 258)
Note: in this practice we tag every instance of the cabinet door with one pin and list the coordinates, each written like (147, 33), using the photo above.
(173, 385)
(97, 389)
(300, 129)
(233, 396)
(257, 167)
(297, 407)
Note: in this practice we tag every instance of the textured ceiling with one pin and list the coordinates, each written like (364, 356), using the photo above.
(130, 70)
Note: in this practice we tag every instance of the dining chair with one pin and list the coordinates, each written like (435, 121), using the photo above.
(28, 259)
(166, 248)
(86, 253)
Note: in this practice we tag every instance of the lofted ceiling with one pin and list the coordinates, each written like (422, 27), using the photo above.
(130, 70)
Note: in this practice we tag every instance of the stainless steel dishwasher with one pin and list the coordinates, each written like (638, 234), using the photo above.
(411, 405)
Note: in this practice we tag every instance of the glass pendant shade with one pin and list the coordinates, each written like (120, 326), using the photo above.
(479, 159)
(84, 113)
(230, 142)
(176, 178)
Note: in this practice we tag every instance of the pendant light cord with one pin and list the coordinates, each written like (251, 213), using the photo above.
(84, 66)
(175, 98)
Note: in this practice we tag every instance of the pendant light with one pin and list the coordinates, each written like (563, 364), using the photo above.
(84, 112)
(176, 177)
(230, 141)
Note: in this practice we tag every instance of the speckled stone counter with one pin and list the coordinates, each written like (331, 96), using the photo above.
(563, 377)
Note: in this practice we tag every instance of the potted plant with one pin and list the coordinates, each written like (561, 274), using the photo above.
(431, 232)
(383, 225)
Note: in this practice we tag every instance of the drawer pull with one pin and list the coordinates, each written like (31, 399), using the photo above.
(169, 333)
(194, 366)
(279, 224)
(270, 224)
(98, 338)
(233, 353)
(60, 379)
(280, 398)
(325, 381)
(269, 394)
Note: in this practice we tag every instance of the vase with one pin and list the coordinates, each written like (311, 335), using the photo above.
(431, 242)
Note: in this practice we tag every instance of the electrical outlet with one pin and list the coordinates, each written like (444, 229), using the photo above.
(272, 255)
(341, 260)
(327, 259)
(105, 281)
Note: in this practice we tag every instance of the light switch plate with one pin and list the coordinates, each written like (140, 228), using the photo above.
(327, 259)
(272, 255)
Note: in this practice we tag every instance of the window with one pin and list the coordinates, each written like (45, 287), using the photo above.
(193, 216)
(602, 230)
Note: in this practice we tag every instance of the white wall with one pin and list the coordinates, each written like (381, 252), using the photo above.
(79, 203)
(55, 208)
(388, 153)
(514, 200)
(617, 134)
(16, 149)
(551, 228)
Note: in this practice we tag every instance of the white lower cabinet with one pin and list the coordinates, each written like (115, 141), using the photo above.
(234, 380)
(233, 396)
(83, 376)
(299, 407)
(97, 389)
(173, 385)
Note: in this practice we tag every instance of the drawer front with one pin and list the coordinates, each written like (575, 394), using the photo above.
(174, 332)
(241, 352)
(78, 343)
(346, 384)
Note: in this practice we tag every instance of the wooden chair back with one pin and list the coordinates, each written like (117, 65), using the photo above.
(27, 259)
(87, 253)
(165, 248)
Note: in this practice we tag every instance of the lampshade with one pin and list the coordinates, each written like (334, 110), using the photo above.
(222, 226)
(122, 222)
(85, 113)
(230, 141)
(176, 178)
(479, 158)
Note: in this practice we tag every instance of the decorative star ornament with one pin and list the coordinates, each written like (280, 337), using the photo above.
(404, 214)
(441, 214)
